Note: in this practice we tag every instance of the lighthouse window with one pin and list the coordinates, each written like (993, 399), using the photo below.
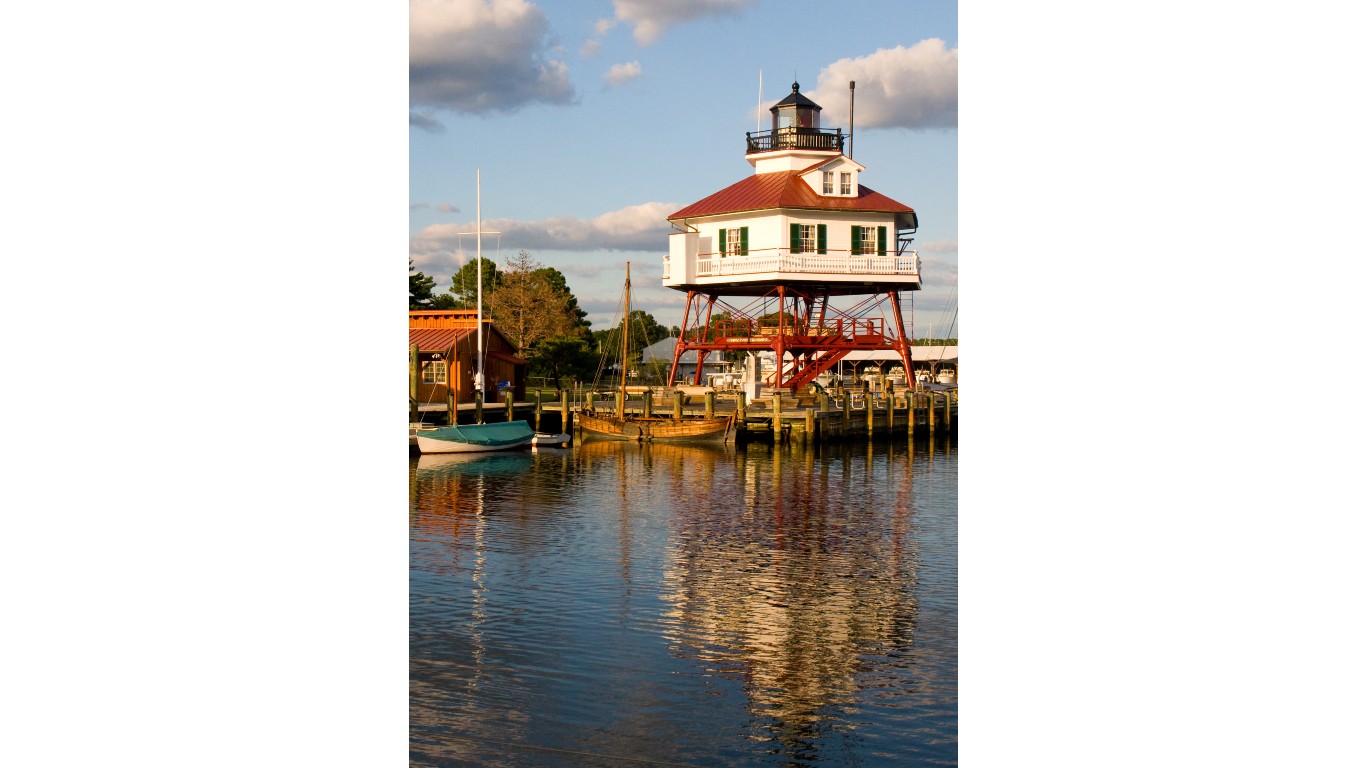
(828, 182)
(846, 180)
(808, 238)
(735, 241)
(868, 240)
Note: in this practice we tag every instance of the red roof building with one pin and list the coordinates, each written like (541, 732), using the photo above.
(447, 352)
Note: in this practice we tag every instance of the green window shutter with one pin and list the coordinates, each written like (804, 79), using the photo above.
(744, 241)
(882, 241)
(722, 248)
(795, 244)
(855, 244)
(820, 238)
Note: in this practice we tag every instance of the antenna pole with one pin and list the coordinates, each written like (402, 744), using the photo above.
(851, 119)
(759, 113)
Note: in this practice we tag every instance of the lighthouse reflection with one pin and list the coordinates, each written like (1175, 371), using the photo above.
(789, 582)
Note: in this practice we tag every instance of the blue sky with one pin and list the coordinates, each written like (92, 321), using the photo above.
(590, 122)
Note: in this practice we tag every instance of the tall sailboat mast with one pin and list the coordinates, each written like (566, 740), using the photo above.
(625, 343)
(479, 289)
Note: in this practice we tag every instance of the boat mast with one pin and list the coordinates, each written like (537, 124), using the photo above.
(625, 343)
(479, 291)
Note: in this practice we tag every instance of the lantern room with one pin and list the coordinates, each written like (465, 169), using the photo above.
(796, 111)
(796, 125)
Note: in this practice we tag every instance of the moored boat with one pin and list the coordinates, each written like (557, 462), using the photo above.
(654, 428)
(474, 438)
(544, 439)
(624, 426)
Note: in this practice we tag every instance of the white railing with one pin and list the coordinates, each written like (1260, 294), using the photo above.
(716, 265)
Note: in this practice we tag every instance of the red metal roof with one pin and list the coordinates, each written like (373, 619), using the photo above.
(436, 339)
(785, 189)
(515, 360)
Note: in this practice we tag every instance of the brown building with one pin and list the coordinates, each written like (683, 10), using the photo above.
(446, 351)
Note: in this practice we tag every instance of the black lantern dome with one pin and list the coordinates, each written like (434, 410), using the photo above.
(796, 111)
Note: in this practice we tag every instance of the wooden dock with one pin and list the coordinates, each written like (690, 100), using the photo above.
(778, 417)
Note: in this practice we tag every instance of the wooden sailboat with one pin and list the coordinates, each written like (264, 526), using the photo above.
(623, 426)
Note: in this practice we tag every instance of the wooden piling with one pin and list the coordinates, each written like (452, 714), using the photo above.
(810, 434)
(710, 400)
(678, 404)
(648, 399)
(564, 411)
(413, 379)
(777, 418)
(508, 403)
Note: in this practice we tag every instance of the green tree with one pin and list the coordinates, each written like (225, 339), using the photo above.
(465, 283)
(564, 359)
(444, 301)
(645, 330)
(526, 306)
(579, 318)
(419, 288)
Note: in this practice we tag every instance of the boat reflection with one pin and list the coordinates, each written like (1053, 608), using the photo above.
(484, 463)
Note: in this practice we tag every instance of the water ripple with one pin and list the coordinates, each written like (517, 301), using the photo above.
(618, 603)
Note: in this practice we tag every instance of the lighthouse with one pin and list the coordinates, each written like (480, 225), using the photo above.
(801, 258)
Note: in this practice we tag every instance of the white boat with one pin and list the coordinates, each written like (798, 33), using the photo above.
(946, 376)
(545, 439)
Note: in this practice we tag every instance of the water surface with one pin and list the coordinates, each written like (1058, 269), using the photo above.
(618, 604)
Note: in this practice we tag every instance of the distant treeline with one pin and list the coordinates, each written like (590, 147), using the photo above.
(935, 343)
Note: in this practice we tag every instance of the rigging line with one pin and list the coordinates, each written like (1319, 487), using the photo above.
(608, 344)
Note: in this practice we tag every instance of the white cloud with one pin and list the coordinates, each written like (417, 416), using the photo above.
(590, 49)
(652, 18)
(641, 227)
(479, 56)
(900, 87)
(604, 25)
(447, 208)
(620, 74)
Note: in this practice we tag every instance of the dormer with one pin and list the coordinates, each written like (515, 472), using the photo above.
(836, 177)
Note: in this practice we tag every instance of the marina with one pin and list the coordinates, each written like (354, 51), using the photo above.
(781, 417)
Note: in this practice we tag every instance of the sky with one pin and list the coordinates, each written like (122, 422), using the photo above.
(587, 123)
